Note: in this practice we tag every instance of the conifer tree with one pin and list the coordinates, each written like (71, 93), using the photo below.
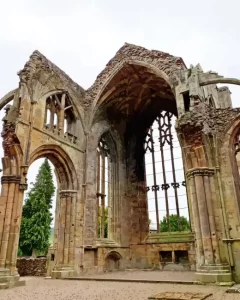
(36, 215)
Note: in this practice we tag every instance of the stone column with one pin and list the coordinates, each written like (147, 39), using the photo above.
(204, 217)
(209, 267)
(66, 228)
(10, 211)
(196, 219)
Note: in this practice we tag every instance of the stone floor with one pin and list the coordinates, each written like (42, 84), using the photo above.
(42, 289)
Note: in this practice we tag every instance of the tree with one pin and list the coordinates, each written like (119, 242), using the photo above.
(105, 223)
(36, 215)
(173, 222)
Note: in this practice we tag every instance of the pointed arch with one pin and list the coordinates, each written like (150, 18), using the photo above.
(159, 64)
(65, 170)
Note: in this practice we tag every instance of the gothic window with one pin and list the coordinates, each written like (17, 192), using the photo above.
(59, 116)
(104, 186)
(237, 150)
(166, 187)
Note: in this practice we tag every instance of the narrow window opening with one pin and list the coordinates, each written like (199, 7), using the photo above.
(48, 117)
(65, 128)
(55, 120)
(165, 256)
(186, 100)
(181, 257)
(211, 101)
(103, 189)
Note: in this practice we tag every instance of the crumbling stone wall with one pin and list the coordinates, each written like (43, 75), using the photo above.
(32, 266)
(153, 81)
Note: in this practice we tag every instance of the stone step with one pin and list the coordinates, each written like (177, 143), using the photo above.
(215, 267)
(214, 272)
(213, 277)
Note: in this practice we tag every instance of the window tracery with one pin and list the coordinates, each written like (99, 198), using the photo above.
(60, 117)
(166, 186)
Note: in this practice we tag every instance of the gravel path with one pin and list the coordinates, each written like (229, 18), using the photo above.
(42, 289)
(148, 275)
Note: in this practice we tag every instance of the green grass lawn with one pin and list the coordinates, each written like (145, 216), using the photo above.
(51, 236)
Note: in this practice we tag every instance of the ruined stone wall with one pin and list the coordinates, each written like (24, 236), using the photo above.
(32, 266)
(165, 256)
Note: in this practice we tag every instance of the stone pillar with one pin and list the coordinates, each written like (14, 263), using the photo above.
(196, 219)
(66, 229)
(10, 220)
(209, 267)
(204, 217)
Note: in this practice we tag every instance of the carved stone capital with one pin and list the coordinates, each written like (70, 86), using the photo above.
(9, 138)
(67, 193)
(200, 172)
(10, 179)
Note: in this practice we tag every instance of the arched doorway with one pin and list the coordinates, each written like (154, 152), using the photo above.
(65, 229)
(113, 261)
(65, 222)
(40, 195)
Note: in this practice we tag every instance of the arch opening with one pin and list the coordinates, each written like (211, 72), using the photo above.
(39, 177)
(106, 182)
(135, 91)
(65, 171)
(113, 262)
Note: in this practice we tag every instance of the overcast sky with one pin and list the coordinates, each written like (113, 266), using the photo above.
(82, 36)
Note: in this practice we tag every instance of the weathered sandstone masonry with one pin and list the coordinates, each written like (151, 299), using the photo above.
(95, 138)
(32, 266)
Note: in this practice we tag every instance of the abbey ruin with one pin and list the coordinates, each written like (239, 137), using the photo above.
(148, 141)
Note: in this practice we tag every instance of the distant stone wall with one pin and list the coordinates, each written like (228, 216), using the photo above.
(32, 266)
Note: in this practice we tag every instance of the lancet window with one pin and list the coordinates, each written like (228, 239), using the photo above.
(166, 186)
(104, 189)
(237, 150)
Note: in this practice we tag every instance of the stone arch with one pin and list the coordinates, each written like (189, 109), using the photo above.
(121, 64)
(113, 261)
(228, 169)
(65, 170)
(97, 130)
(100, 128)
(7, 98)
(161, 64)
